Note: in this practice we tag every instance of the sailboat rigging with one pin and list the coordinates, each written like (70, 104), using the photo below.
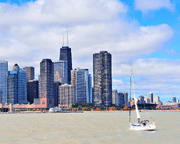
(144, 125)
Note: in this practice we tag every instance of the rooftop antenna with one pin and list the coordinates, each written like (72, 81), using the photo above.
(67, 36)
(63, 40)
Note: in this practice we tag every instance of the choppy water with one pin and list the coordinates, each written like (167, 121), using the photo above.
(86, 128)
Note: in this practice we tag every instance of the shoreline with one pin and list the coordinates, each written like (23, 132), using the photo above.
(77, 112)
(139, 110)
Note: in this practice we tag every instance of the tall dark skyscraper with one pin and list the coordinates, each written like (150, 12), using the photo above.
(102, 75)
(46, 82)
(65, 54)
(32, 90)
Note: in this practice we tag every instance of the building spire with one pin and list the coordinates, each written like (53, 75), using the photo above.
(63, 40)
(67, 37)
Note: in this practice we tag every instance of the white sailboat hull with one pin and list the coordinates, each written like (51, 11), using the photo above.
(141, 127)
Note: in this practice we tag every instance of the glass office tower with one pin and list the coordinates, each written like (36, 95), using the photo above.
(3, 81)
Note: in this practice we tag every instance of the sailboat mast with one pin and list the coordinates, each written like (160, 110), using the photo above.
(135, 101)
(130, 98)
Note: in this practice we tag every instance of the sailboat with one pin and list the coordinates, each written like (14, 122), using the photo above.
(140, 125)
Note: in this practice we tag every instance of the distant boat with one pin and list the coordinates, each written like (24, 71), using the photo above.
(140, 125)
(55, 110)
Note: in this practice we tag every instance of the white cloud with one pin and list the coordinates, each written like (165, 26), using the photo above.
(61, 12)
(157, 75)
(151, 68)
(149, 5)
(32, 31)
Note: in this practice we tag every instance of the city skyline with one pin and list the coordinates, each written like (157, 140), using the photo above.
(81, 83)
(118, 27)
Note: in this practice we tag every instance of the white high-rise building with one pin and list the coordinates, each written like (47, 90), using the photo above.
(114, 97)
(66, 95)
(156, 99)
(3, 81)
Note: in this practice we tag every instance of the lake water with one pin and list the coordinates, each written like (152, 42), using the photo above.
(86, 128)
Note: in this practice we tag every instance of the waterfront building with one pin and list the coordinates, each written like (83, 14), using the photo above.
(3, 81)
(156, 100)
(12, 86)
(56, 93)
(147, 100)
(174, 99)
(90, 88)
(150, 96)
(66, 95)
(61, 71)
(81, 80)
(141, 100)
(114, 92)
(102, 78)
(32, 90)
(29, 73)
(126, 103)
(17, 86)
(92, 94)
(115, 98)
(46, 82)
(122, 99)
(65, 55)
(22, 87)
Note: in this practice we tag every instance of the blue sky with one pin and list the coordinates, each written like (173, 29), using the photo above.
(19, 2)
(157, 17)
(141, 33)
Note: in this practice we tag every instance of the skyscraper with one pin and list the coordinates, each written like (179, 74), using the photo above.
(29, 73)
(123, 99)
(156, 100)
(90, 89)
(22, 87)
(3, 81)
(66, 95)
(141, 100)
(32, 90)
(12, 96)
(46, 82)
(150, 95)
(65, 54)
(17, 86)
(115, 98)
(61, 71)
(56, 93)
(81, 80)
(102, 75)
(174, 99)
(147, 100)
